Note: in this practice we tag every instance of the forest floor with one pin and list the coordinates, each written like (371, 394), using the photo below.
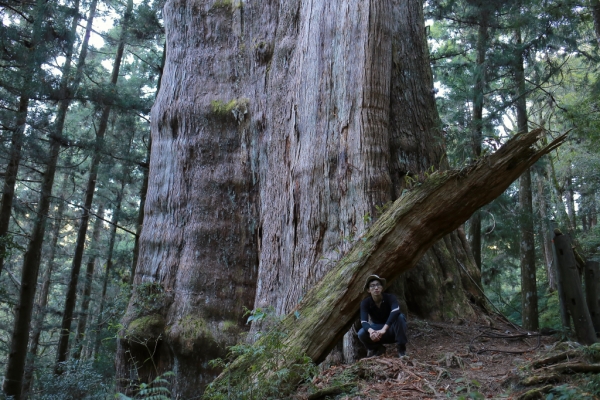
(472, 360)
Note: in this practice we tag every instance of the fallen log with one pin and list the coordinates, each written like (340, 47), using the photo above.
(555, 358)
(392, 245)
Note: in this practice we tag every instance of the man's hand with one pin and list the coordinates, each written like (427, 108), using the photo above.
(377, 335)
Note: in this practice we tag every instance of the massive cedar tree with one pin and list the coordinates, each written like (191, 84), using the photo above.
(280, 130)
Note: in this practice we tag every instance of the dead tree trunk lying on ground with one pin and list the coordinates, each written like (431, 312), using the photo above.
(413, 223)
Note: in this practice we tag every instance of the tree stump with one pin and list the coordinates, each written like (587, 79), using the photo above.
(571, 285)
(592, 292)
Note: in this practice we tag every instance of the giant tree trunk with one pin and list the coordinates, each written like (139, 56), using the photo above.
(280, 131)
(413, 223)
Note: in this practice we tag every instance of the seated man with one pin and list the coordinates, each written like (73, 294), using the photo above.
(387, 324)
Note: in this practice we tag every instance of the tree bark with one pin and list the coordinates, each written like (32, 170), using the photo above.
(144, 188)
(413, 223)
(87, 288)
(529, 315)
(71, 296)
(592, 292)
(571, 284)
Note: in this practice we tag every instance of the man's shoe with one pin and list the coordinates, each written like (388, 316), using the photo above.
(401, 350)
(377, 352)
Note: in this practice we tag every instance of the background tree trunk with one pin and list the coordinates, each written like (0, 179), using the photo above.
(71, 296)
(592, 292)
(308, 118)
(38, 322)
(87, 286)
(544, 230)
(529, 302)
(478, 97)
(32, 64)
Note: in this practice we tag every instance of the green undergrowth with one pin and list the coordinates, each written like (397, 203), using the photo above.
(266, 372)
(581, 387)
(158, 389)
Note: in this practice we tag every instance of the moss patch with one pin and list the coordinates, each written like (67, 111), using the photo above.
(230, 327)
(146, 328)
(190, 331)
(235, 109)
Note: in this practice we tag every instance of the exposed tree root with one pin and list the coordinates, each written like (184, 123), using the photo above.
(537, 393)
(539, 379)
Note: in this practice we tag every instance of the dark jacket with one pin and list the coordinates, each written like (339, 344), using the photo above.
(387, 313)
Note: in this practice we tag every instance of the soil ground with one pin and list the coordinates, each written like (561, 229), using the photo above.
(470, 360)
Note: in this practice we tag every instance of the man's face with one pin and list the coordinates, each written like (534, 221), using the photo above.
(375, 287)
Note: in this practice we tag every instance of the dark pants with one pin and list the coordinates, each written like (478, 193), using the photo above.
(395, 334)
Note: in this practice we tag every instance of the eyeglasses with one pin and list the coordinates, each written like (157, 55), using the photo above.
(375, 285)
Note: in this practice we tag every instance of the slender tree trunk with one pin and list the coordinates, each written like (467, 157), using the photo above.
(592, 292)
(595, 6)
(557, 196)
(107, 272)
(544, 232)
(477, 139)
(125, 176)
(71, 297)
(38, 323)
(31, 260)
(528, 271)
(593, 220)
(570, 201)
(66, 93)
(87, 289)
(32, 64)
